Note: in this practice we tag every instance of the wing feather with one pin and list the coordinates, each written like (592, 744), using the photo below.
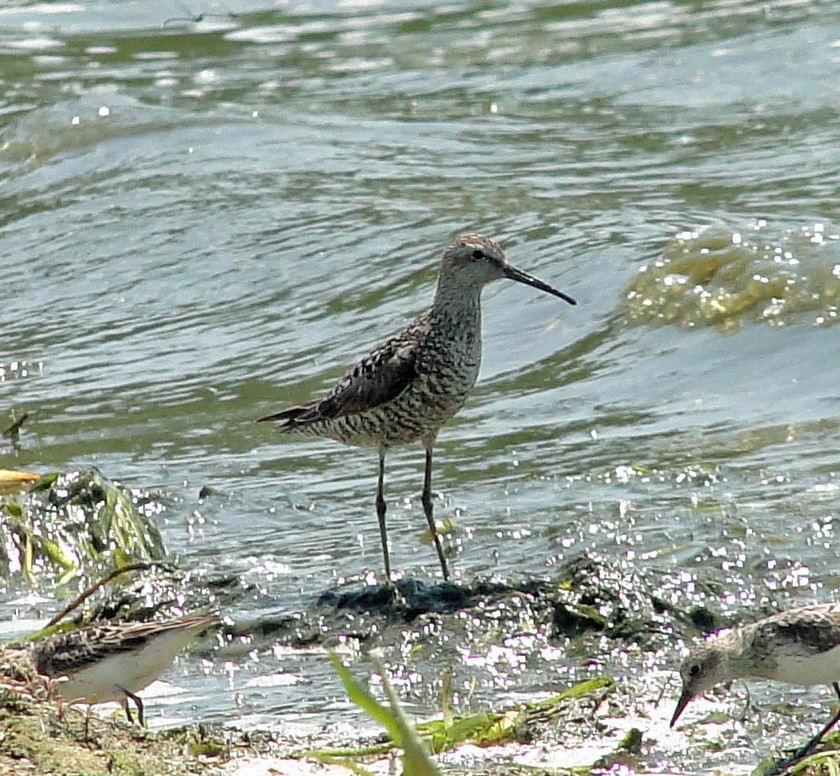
(815, 627)
(377, 379)
(65, 654)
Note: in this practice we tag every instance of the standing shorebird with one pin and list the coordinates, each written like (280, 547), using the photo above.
(798, 646)
(408, 387)
(107, 663)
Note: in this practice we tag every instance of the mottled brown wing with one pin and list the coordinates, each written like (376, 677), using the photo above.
(378, 378)
(65, 653)
(817, 627)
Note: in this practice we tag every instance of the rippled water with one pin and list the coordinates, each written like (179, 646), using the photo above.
(202, 221)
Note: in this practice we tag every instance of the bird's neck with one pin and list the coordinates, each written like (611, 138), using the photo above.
(737, 655)
(457, 306)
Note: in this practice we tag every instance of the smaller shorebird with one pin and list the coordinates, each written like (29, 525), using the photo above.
(798, 646)
(404, 390)
(112, 663)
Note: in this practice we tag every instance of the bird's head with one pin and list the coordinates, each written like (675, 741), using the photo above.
(473, 261)
(703, 668)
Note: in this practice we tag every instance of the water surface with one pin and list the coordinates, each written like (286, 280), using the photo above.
(203, 221)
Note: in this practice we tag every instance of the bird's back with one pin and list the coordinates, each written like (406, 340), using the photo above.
(799, 646)
(402, 391)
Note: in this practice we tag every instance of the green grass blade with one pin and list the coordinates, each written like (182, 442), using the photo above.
(365, 701)
(416, 760)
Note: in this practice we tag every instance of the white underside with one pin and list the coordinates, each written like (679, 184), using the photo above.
(822, 668)
(103, 681)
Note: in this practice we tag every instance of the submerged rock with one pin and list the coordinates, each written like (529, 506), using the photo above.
(591, 595)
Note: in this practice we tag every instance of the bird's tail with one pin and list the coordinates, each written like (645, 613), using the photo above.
(291, 418)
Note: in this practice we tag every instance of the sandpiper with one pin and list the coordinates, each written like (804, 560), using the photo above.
(797, 646)
(408, 387)
(105, 663)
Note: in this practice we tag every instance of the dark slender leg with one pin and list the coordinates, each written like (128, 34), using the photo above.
(141, 717)
(128, 713)
(428, 508)
(809, 747)
(380, 513)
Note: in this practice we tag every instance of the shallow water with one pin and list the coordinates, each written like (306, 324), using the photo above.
(204, 221)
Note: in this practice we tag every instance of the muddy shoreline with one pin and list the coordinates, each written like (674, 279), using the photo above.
(616, 625)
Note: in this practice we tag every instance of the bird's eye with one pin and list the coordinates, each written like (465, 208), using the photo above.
(478, 254)
(695, 669)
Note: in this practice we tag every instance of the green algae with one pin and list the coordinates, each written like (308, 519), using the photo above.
(76, 524)
(727, 279)
(483, 729)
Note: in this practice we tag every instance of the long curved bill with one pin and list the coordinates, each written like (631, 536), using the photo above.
(512, 273)
(681, 704)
